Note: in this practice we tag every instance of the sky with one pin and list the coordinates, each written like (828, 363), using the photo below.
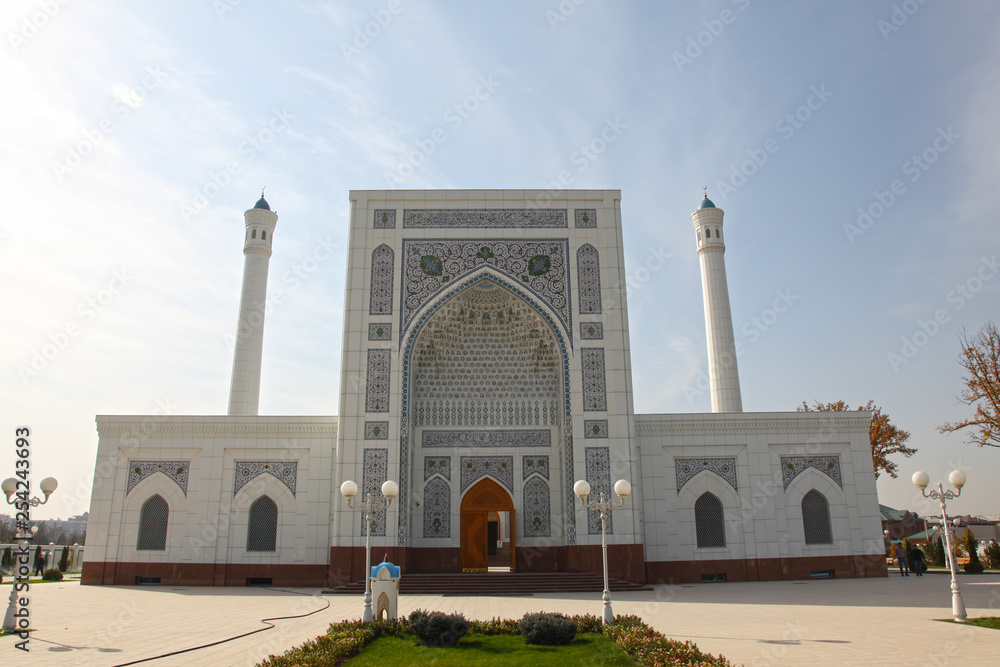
(854, 147)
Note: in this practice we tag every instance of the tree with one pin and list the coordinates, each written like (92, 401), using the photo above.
(931, 552)
(885, 437)
(971, 546)
(63, 566)
(992, 554)
(980, 358)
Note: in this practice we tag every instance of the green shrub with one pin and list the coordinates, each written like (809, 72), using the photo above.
(588, 623)
(547, 629)
(437, 629)
(649, 647)
(992, 555)
(52, 575)
(495, 626)
(973, 567)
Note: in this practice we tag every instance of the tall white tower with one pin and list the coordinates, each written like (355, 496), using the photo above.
(722, 371)
(244, 390)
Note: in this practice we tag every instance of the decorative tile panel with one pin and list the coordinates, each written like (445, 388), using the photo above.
(489, 218)
(437, 509)
(537, 517)
(588, 271)
(377, 390)
(589, 331)
(245, 472)
(175, 470)
(376, 430)
(598, 462)
(685, 469)
(568, 482)
(595, 394)
(531, 465)
(373, 475)
(537, 438)
(500, 468)
(539, 265)
(385, 218)
(595, 428)
(380, 331)
(380, 301)
(585, 218)
(437, 465)
(791, 466)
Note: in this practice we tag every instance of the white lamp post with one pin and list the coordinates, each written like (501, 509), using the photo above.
(389, 490)
(9, 487)
(957, 479)
(622, 489)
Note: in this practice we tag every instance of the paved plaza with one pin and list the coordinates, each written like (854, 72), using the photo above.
(824, 622)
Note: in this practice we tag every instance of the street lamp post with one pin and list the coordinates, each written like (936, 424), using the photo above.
(23, 536)
(389, 491)
(957, 479)
(622, 489)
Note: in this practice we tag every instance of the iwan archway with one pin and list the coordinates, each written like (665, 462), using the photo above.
(485, 500)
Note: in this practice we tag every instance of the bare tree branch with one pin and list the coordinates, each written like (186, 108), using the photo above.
(980, 358)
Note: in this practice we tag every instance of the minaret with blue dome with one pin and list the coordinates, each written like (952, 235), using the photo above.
(723, 373)
(244, 389)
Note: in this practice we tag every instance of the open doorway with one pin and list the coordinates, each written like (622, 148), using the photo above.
(488, 537)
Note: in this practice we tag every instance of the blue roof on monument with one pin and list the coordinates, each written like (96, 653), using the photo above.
(393, 569)
(706, 203)
(261, 203)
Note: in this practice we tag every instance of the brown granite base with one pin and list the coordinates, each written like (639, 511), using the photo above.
(765, 569)
(203, 574)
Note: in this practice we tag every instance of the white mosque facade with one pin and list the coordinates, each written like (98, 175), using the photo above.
(485, 368)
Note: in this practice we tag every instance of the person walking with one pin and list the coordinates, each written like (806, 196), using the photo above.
(904, 570)
(917, 561)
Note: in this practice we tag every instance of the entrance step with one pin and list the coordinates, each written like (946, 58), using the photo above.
(497, 583)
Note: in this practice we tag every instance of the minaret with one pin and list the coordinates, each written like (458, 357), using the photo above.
(244, 391)
(723, 374)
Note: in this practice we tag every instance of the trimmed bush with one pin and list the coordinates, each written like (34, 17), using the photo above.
(52, 575)
(437, 629)
(547, 629)
(992, 555)
(495, 626)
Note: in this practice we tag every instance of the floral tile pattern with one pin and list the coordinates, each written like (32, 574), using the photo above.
(537, 511)
(500, 468)
(379, 331)
(385, 218)
(585, 218)
(791, 466)
(245, 472)
(437, 465)
(591, 331)
(175, 470)
(377, 391)
(595, 428)
(374, 472)
(531, 465)
(380, 301)
(488, 218)
(598, 462)
(533, 438)
(685, 469)
(595, 394)
(588, 270)
(376, 430)
(437, 508)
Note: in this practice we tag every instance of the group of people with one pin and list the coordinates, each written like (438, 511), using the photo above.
(914, 560)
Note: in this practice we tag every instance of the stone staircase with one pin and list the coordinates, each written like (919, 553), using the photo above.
(497, 583)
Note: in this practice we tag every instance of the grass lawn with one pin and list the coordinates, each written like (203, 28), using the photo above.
(984, 622)
(588, 648)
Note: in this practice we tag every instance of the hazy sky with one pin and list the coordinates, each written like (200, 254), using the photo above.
(854, 146)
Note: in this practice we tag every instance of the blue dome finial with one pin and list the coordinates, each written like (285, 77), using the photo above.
(706, 202)
(262, 203)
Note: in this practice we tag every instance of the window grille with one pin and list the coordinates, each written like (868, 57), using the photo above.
(816, 518)
(153, 525)
(262, 530)
(709, 523)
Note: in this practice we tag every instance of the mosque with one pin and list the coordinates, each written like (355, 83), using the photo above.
(485, 368)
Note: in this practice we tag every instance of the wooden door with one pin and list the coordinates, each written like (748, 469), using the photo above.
(474, 541)
(484, 497)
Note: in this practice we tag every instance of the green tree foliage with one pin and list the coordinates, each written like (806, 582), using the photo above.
(970, 545)
(980, 358)
(930, 553)
(63, 559)
(885, 437)
(992, 555)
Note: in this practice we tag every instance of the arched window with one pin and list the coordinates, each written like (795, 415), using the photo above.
(253, 234)
(153, 525)
(262, 529)
(816, 518)
(263, 235)
(708, 521)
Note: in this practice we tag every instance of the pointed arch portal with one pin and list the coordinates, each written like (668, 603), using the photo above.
(484, 497)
